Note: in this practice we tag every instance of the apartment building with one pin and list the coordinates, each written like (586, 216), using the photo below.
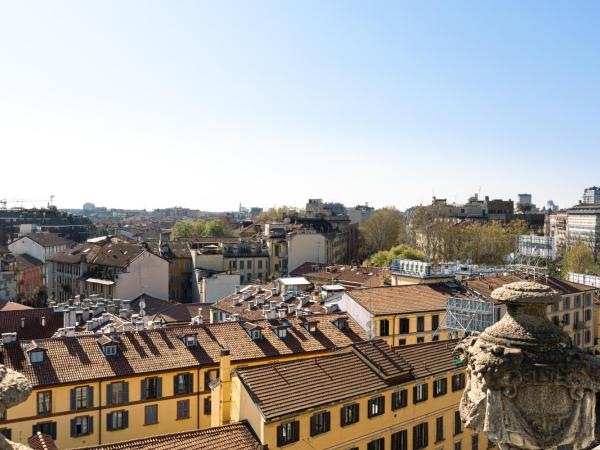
(370, 397)
(39, 245)
(98, 388)
(400, 315)
(178, 254)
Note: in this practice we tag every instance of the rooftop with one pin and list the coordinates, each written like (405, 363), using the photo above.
(47, 239)
(237, 436)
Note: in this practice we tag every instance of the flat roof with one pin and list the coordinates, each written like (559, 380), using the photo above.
(294, 281)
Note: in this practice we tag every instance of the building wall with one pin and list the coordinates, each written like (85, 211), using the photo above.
(217, 287)
(307, 247)
(25, 246)
(147, 274)
(368, 429)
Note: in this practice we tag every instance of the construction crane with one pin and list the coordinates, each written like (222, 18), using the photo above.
(4, 202)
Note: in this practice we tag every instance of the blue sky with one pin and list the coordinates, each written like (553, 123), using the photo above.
(208, 104)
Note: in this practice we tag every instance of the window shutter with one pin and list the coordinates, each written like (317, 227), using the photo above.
(34, 429)
(327, 420)
(109, 422)
(144, 387)
(426, 391)
(382, 405)
(90, 396)
(73, 400)
(73, 428)
(189, 382)
(159, 387)
(295, 430)
(53, 430)
(125, 419)
(90, 423)
(175, 384)
(415, 434)
(312, 425)
(426, 432)
(109, 394)
(415, 394)
(125, 391)
(279, 435)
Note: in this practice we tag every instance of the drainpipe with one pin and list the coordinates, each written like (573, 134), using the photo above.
(100, 414)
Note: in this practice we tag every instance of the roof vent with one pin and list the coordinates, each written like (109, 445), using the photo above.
(7, 338)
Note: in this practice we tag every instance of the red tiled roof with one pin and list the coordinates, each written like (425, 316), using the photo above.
(406, 298)
(11, 321)
(430, 358)
(237, 436)
(48, 239)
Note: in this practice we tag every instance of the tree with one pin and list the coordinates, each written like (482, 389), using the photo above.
(277, 214)
(579, 258)
(382, 230)
(198, 228)
(385, 257)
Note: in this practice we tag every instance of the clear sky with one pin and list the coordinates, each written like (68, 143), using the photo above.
(208, 104)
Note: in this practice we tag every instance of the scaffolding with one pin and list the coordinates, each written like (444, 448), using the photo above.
(467, 315)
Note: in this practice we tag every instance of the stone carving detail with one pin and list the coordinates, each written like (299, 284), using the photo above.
(528, 386)
(14, 389)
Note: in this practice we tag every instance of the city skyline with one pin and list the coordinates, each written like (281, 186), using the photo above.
(206, 105)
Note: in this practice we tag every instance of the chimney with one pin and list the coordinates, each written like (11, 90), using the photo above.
(43, 321)
(225, 387)
(237, 289)
(7, 338)
(70, 331)
(139, 325)
(22, 322)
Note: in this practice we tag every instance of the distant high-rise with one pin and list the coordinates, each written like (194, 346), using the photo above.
(591, 195)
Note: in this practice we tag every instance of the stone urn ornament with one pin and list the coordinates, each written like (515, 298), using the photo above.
(528, 386)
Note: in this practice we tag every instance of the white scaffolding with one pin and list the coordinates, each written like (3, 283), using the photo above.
(468, 315)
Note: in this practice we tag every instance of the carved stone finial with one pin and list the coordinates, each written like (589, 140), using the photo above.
(528, 386)
(14, 389)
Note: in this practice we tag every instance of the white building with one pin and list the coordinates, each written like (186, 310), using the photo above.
(39, 245)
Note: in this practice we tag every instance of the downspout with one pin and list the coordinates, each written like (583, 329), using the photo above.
(100, 414)
(198, 401)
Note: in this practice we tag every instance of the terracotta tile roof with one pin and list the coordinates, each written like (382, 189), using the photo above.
(79, 358)
(6, 305)
(48, 239)
(429, 358)
(11, 321)
(26, 262)
(237, 436)
(41, 441)
(485, 285)
(113, 254)
(248, 310)
(379, 353)
(283, 388)
(406, 298)
(177, 249)
(345, 275)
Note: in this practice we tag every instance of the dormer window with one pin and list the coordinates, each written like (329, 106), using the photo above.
(341, 323)
(312, 326)
(255, 335)
(36, 356)
(281, 332)
(109, 350)
(253, 330)
(190, 340)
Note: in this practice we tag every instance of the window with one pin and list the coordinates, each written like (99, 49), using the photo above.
(420, 393)
(475, 442)
(151, 415)
(288, 433)
(349, 414)
(555, 307)
(577, 339)
(6, 432)
(566, 303)
(420, 340)
(401, 341)
(420, 324)
(458, 445)
(420, 436)
(210, 375)
(190, 340)
(578, 301)
(555, 320)
(259, 264)
(182, 383)
(117, 393)
(440, 387)
(320, 423)
(36, 356)
(458, 382)
(435, 322)
(44, 402)
(183, 409)
(588, 300)
(457, 423)
(151, 388)
(377, 444)
(117, 420)
(82, 425)
(576, 317)
(435, 337)
(48, 428)
(399, 399)
(588, 336)
(400, 440)
(384, 327)
(207, 406)
(241, 264)
(439, 429)
(249, 264)
(566, 319)
(404, 325)
(109, 350)
(376, 406)
(82, 398)
(588, 315)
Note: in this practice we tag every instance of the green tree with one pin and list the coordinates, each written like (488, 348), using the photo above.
(579, 258)
(384, 258)
(189, 229)
(382, 230)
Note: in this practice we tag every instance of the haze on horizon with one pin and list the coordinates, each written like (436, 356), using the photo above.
(146, 104)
